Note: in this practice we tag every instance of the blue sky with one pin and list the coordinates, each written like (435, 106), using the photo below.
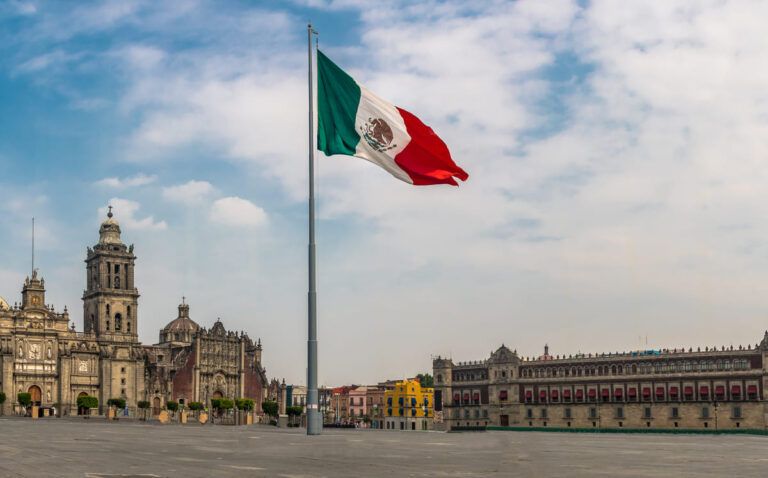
(616, 156)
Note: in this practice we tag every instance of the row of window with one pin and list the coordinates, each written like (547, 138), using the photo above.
(662, 393)
(113, 276)
(401, 412)
(401, 401)
(678, 366)
(476, 413)
(466, 376)
(618, 413)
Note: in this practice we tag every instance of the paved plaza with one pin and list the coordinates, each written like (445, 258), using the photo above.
(95, 448)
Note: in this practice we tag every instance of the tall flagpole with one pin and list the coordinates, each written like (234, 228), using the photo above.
(314, 420)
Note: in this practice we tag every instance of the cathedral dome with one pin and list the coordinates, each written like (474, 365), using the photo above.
(3, 304)
(181, 324)
(109, 232)
(180, 329)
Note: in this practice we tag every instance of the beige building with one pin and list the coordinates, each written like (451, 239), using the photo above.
(41, 352)
(44, 356)
(669, 389)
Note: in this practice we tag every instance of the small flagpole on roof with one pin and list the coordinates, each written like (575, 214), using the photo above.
(314, 419)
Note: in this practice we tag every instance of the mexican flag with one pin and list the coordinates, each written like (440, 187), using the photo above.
(355, 122)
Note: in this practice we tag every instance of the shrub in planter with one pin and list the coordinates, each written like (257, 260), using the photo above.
(88, 402)
(244, 404)
(195, 406)
(24, 398)
(118, 403)
(172, 406)
(270, 408)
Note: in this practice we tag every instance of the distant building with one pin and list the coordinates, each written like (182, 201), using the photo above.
(409, 406)
(374, 397)
(667, 389)
(358, 406)
(296, 396)
(338, 412)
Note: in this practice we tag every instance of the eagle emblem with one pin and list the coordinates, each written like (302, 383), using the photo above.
(378, 134)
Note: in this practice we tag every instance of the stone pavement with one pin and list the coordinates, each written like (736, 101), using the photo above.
(96, 448)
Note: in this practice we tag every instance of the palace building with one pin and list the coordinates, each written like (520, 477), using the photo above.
(685, 389)
(42, 354)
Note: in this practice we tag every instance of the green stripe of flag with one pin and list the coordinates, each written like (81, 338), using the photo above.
(338, 97)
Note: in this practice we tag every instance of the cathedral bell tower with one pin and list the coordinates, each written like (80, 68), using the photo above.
(110, 300)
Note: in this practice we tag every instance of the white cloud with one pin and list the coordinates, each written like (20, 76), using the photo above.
(235, 211)
(140, 179)
(125, 210)
(191, 192)
(615, 150)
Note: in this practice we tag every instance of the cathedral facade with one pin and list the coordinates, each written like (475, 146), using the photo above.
(43, 355)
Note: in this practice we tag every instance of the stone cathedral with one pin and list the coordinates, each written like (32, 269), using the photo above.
(42, 354)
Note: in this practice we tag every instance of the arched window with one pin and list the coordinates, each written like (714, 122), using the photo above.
(117, 282)
(128, 315)
(118, 322)
(634, 369)
(107, 324)
(613, 370)
(108, 311)
(128, 325)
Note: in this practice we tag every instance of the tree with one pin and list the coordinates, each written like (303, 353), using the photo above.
(87, 402)
(172, 406)
(143, 406)
(24, 398)
(195, 406)
(269, 407)
(294, 412)
(426, 380)
(226, 404)
(244, 404)
(118, 403)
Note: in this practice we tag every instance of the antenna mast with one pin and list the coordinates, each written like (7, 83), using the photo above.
(33, 245)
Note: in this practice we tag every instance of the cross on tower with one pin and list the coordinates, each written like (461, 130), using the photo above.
(183, 300)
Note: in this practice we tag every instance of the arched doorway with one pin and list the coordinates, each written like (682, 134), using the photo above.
(81, 410)
(36, 395)
(217, 394)
(156, 406)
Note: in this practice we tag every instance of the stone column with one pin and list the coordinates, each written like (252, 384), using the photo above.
(241, 362)
(7, 371)
(283, 398)
(196, 377)
(65, 388)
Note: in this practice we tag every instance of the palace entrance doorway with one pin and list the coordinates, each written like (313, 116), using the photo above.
(156, 406)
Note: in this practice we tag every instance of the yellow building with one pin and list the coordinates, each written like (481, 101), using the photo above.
(408, 406)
